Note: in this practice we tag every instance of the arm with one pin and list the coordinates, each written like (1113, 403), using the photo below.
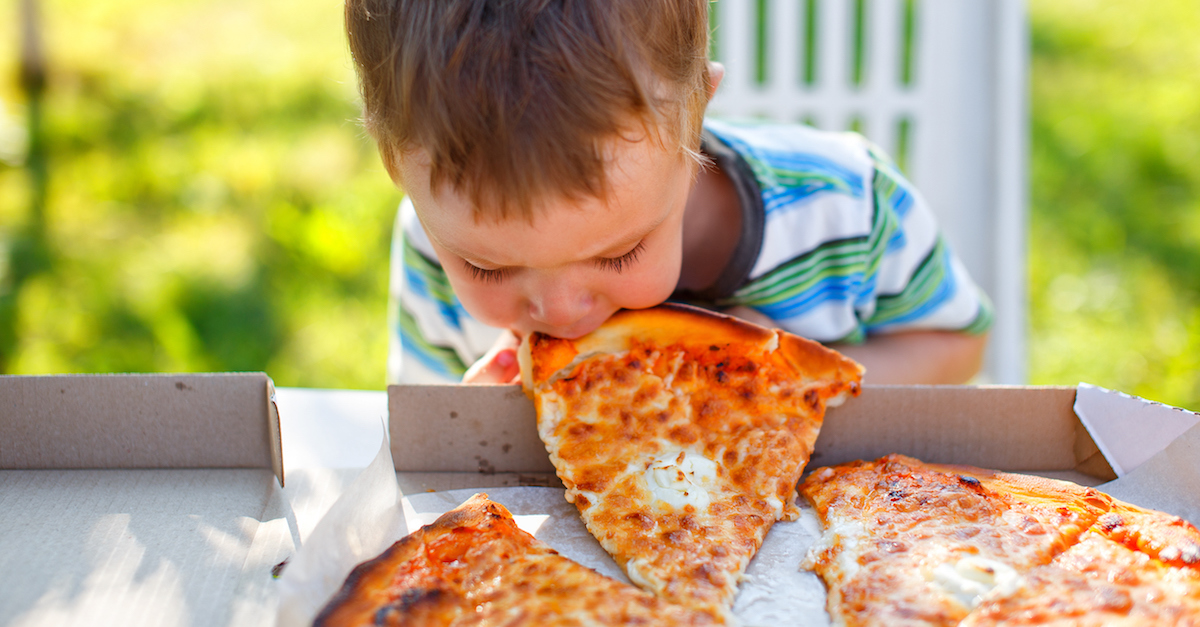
(908, 357)
(937, 357)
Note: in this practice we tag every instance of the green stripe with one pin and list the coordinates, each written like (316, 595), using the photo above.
(434, 275)
(925, 281)
(804, 178)
(447, 357)
(857, 336)
(839, 258)
(884, 221)
(983, 319)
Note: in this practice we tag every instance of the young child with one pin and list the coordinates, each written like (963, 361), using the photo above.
(558, 167)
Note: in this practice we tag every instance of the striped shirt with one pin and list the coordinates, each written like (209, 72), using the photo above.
(836, 245)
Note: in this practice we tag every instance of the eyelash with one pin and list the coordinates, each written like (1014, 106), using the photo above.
(617, 264)
(485, 276)
(614, 264)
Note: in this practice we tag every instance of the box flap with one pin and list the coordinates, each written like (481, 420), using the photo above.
(140, 421)
(1127, 429)
(492, 429)
(1017, 428)
(464, 428)
(1169, 481)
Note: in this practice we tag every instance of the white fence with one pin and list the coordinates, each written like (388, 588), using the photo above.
(939, 84)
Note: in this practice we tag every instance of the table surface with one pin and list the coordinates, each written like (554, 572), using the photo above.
(330, 428)
(328, 437)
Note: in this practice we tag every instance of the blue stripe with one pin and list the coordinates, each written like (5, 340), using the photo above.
(804, 163)
(420, 288)
(781, 197)
(901, 200)
(944, 292)
(410, 347)
(836, 288)
(866, 293)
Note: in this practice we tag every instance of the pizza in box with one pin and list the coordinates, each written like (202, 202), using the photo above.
(680, 436)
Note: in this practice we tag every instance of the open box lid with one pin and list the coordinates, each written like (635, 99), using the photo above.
(140, 421)
(451, 428)
(1064, 432)
(140, 499)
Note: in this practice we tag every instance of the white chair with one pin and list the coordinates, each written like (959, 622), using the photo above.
(939, 84)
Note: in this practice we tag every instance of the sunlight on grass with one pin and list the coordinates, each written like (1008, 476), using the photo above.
(1115, 240)
(213, 204)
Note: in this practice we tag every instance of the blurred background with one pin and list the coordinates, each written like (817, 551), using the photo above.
(184, 187)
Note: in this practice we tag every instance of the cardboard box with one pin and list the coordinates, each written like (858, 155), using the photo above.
(452, 436)
(483, 438)
(140, 500)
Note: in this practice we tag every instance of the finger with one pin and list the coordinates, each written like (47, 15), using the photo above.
(498, 366)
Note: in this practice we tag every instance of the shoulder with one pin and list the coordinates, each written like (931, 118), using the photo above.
(779, 144)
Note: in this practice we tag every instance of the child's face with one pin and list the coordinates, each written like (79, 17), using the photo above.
(579, 261)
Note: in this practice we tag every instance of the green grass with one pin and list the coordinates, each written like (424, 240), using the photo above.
(213, 205)
(212, 202)
(1115, 239)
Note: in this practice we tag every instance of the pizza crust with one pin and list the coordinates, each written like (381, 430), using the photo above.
(680, 435)
(474, 566)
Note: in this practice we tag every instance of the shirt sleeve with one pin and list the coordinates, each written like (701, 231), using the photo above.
(432, 339)
(850, 248)
(912, 278)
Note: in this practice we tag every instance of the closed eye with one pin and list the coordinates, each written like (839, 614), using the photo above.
(484, 275)
(617, 264)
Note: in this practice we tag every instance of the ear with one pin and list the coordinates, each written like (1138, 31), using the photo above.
(716, 72)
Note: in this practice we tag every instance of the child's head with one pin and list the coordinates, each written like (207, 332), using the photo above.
(570, 128)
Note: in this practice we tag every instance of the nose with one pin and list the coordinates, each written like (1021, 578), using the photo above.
(559, 303)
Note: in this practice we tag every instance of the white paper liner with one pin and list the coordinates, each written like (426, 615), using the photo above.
(1129, 430)
(359, 526)
(372, 514)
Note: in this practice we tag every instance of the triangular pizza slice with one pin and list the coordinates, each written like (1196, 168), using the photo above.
(680, 435)
(475, 566)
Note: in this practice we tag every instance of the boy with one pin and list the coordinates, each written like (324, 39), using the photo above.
(558, 167)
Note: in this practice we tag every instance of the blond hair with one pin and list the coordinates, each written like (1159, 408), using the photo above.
(514, 100)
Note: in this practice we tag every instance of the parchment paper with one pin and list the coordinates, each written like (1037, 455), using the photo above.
(372, 514)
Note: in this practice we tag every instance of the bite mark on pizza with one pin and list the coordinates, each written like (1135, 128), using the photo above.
(680, 435)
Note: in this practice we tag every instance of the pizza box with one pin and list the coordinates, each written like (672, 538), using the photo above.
(448, 441)
(454, 436)
(140, 500)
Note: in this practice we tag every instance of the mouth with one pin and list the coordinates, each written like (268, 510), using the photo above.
(577, 329)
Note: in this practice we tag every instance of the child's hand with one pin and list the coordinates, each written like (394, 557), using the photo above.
(498, 365)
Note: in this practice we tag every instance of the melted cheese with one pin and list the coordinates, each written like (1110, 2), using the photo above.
(474, 565)
(680, 455)
(681, 480)
(971, 578)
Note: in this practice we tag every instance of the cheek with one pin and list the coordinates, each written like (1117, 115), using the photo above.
(648, 286)
(490, 303)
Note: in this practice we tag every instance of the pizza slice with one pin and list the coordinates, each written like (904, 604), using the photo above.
(474, 566)
(680, 435)
(1133, 567)
(909, 543)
